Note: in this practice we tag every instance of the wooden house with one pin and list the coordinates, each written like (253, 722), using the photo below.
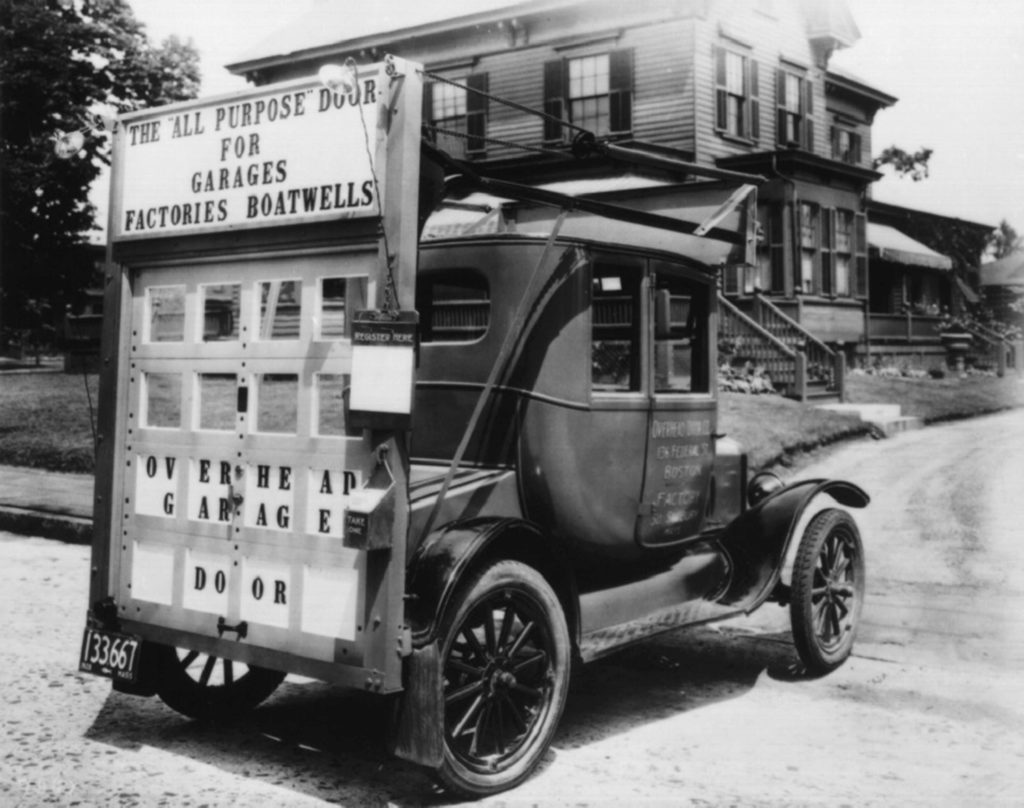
(744, 86)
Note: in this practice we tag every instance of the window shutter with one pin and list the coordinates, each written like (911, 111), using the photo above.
(780, 96)
(817, 219)
(860, 248)
(828, 240)
(855, 148)
(554, 98)
(755, 100)
(731, 279)
(809, 115)
(777, 245)
(620, 90)
(428, 110)
(476, 114)
(720, 91)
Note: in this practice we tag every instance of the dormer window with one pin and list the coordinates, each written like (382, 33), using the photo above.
(846, 145)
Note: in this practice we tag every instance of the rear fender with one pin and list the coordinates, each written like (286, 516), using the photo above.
(435, 572)
(449, 554)
(757, 540)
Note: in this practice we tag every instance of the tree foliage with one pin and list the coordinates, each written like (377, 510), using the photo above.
(904, 163)
(61, 65)
(1004, 240)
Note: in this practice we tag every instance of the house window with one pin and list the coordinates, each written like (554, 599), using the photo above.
(588, 92)
(808, 246)
(460, 110)
(844, 240)
(594, 92)
(737, 110)
(766, 276)
(795, 106)
(843, 253)
(846, 145)
(449, 105)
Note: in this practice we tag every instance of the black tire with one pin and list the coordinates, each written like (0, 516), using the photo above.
(827, 591)
(505, 665)
(205, 687)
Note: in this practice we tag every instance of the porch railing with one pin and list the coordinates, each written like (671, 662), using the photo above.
(823, 364)
(904, 327)
(750, 342)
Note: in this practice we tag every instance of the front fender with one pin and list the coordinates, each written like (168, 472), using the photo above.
(442, 562)
(757, 540)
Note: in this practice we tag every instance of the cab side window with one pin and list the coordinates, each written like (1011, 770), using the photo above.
(615, 329)
(680, 335)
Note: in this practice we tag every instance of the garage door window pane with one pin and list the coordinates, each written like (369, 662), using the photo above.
(278, 407)
(221, 306)
(280, 309)
(331, 403)
(163, 400)
(340, 299)
(165, 313)
(218, 401)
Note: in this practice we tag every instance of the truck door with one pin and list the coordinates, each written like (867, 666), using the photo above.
(682, 416)
(238, 465)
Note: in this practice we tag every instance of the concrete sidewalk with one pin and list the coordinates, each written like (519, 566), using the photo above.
(46, 503)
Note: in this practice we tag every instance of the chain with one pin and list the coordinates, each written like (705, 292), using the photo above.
(430, 128)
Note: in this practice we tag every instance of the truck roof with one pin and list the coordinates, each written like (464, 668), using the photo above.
(705, 222)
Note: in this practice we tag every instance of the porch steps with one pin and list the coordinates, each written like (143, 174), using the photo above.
(886, 418)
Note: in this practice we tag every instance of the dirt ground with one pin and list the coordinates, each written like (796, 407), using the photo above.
(929, 711)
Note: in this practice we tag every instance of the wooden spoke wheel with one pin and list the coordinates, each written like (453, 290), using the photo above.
(205, 687)
(827, 591)
(505, 657)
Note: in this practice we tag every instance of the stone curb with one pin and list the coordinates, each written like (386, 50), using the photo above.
(70, 529)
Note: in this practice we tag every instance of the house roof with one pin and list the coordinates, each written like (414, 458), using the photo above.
(330, 22)
(1007, 271)
(889, 244)
(841, 79)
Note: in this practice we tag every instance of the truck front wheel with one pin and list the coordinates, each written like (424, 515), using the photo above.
(827, 591)
(505, 667)
(206, 687)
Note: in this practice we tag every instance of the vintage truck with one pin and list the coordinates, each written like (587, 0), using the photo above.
(440, 456)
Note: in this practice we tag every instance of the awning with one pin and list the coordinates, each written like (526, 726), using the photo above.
(889, 244)
(1007, 271)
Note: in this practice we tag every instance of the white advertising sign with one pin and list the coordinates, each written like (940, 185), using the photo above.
(288, 153)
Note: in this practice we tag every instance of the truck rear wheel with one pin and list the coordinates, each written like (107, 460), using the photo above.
(205, 687)
(827, 591)
(505, 666)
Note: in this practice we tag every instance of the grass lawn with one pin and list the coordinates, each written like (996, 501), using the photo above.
(45, 421)
(45, 418)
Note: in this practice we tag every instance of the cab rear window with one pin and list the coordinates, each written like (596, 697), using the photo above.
(453, 307)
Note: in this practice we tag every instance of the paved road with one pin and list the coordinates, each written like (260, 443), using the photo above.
(929, 712)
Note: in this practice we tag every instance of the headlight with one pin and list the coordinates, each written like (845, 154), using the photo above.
(762, 485)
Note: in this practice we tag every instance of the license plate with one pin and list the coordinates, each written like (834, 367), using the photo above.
(111, 654)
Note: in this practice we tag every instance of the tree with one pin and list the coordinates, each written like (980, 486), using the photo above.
(61, 63)
(904, 163)
(1004, 240)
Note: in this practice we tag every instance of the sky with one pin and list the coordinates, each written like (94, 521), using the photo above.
(957, 68)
